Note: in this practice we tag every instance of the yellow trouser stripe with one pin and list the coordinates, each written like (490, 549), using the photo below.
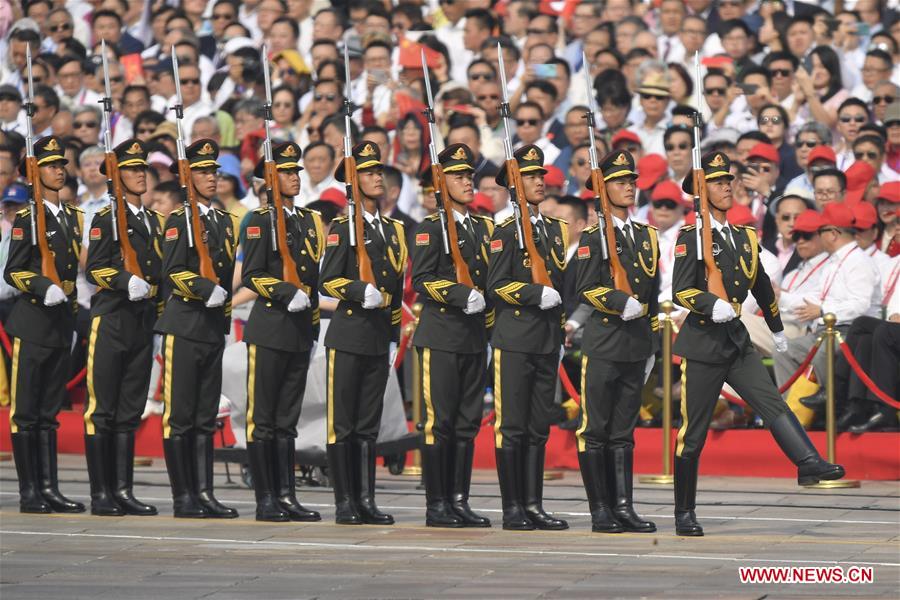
(251, 390)
(168, 357)
(332, 438)
(498, 401)
(679, 445)
(426, 394)
(13, 428)
(92, 396)
(584, 414)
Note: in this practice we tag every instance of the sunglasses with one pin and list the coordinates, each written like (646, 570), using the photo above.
(488, 97)
(222, 16)
(538, 31)
(191, 81)
(120, 79)
(759, 167)
(281, 105)
(802, 235)
(785, 218)
(806, 144)
(666, 204)
(883, 100)
(485, 76)
(856, 119)
(531, 122)
(60, 27)
(714, 91)
(581, 162)
(329, 97)
(772, 120)
(146, 131)
(86, 124)
(829, 229)
(681, 146)
(781, 72)
(870, 154)
(653, 97)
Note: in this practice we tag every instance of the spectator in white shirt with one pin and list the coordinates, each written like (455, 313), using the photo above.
(800, 282)
(316, 176)
(654, 99)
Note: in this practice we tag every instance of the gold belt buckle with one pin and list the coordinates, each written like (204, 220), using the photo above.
(386, 299)
(68, 287)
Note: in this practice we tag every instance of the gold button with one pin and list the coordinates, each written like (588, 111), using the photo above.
(147, 277)
(185, 299)
(736, 282)
(384, 273)
(635, 296)
(382, 289)
(443, 309)
(517, 313)
(220, 263)
(702, 322)
(733, 299)
(302, 268)
(735, 268)
(637, 265)
(605, 320)
(636, 280)
(477, 272)
(268, 304)
(349, 311)
(68, 266)
(303, 252)
(148, 262)
(477, 258)
(33, 301)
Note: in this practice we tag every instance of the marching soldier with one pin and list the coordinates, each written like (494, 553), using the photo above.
(716, 347)
(361, 340)
(527, 338)
(281, 332)
(194, 322)
(120, 346)
(452, 341)
(619, 344)
(41, 325)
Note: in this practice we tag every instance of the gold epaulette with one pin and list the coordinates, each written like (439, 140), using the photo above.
(647, 225)
(392, 220)
(311, 211)
(24, 212)
(104, 211)
(261, 210)
(557, 219)
(749, 227)
(592, 229)
(687, 227)
(75, 208)
(178, 211)
(342, 219)
(507, 221)
(433, 217)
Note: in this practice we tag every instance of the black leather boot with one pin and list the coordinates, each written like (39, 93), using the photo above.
(365, 499)
(460, 471)
(123, 491)
(48, 475)
(534, 490)
(98, 454)
(686, 497)
(286, 482)
(793, 441)
(514, 517)
(593, 474)
(179, 463)
(619, 478)
(24, 444)
(203, 463)
(259, 454)
(438, 512)
(340, 473)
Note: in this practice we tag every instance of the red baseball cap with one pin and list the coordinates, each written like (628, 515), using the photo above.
(859, 174)
(837, 214)
(865, 216)
(334, 196)
(740, 214)
(667, 190)
(650, 168)
(809, 221)
(890, 192)
(825, 153)
(625, 135)
(410, 56)
(764, 151)
(554, 177)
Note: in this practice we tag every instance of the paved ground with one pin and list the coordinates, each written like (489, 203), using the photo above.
(749, 522)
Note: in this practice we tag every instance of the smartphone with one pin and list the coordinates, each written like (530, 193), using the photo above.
(545, 71)
(379, 75)
(748, 88)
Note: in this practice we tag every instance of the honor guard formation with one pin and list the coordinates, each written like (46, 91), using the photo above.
(261, 192)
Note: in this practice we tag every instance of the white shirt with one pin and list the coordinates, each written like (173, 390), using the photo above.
(652, 137)
(201, 108)
(850, 285)
(667, 241)
(892, 304)
(310, 192)
(376, 219)
(139, 212)
(800, 283)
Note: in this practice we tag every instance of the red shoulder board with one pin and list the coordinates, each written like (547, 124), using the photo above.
(584, 252)
(18, 233)
(253, 233)
(95, 233)
(423, 239)
(681, 250)
(496, 246)
(333, 239)
(171, 234)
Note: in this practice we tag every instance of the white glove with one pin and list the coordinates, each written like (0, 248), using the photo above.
(648, 367)
(372, 297)
(137, 288)
(781, 343)
(475, 303)
(392, 354)
(217, 298)
(299, 302)
(54, 295)
(632, 310)
(722, 312)
(549, 298)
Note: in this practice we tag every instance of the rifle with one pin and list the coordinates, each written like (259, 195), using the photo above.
(273, 189)
(606, 229)
(195, 227)
(449, 235)
(354, 196)
(114, 184)
(35, 189)
(701, 204)
(516, 190)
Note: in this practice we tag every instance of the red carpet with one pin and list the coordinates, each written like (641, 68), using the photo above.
(746, 452)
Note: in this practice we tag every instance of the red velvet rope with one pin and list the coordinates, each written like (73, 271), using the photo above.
(5, 340)
(787, 384)
(873, 387)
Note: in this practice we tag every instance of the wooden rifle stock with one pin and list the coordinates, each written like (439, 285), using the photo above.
(48, 264)
(539, 273)
(289, 265)
(619, 275)
(197, 228)
(362, 255)
(129, 256)
(714, 281)
(462, 269)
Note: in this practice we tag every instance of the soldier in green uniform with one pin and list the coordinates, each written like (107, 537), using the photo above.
(194, 322)
(716, 347)
(527, 339)
(120, 346)
(618, 348)
(41, 325)
(452, 342)
(362, 340)
(280, 334)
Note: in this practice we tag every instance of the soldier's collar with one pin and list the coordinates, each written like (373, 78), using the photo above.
(204, 209)
(371, 218)
(719, 226)
(620, 223)
(461, 217)
(135, 210)
(55, 209)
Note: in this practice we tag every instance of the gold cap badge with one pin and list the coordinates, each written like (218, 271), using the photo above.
(620, 160)
(531, 155)
(290, 151)
(367, 151)
(52, 145)
(134, 149)
(206, 150)
(460, 154)
(717, 161)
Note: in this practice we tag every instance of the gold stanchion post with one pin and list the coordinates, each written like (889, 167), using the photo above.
(830, 430)
(666, 478)
(414, 469)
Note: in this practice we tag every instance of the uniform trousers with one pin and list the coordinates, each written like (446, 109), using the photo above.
(276, 381)
(453, 391)
(37, 385)
(610, 403)
(524, 392)
(192, 385)
(356, 384)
